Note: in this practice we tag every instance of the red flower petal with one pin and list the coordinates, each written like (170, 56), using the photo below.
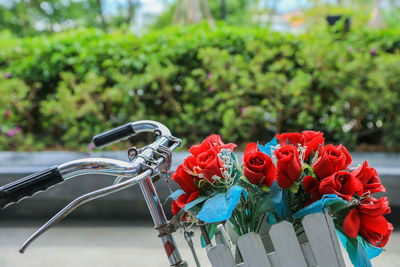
(185, 180)
(253, 177)
(347, 155)
(257, 166)
(385, 239)
(311, 185)
(369, 178)
(175, 209)
(289, 138)
(250, 148)
(342, 183)
(375, 207)
(283, 180)
(314, 141)
(351, 224)
(186, 198)
(330, 161)
(288, 165)
(374, 228)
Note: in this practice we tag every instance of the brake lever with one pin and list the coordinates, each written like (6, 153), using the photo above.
(81, 200)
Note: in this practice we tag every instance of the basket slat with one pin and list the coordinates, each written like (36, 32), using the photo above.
(220, 256)
(318, 245)
(253, 251)
(286, 245)
(321, 240)
(335, 240)
(308, 254)
(273, 259)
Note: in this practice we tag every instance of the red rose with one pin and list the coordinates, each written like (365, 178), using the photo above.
(343, 184)
(186, 198)
(184, 179)
(204, 160)
(257, 166)
(290, 139)
(288, 165)
(186, 182)
(311, 185)
(203, 163)
(368, 221)
(313, 141)
(208, 164)
(376, 229)
(190, 162)
(346, 153)
(212, 142)
(331, 160)
(369, 178)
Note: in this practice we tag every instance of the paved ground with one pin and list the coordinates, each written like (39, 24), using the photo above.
(117, 246)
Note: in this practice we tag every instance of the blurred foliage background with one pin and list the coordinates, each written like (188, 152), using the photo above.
(245, 69)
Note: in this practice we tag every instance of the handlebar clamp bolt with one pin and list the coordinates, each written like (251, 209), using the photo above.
(132, 153)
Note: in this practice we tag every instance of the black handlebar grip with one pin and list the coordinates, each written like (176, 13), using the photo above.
(29, 185)
(114, 135)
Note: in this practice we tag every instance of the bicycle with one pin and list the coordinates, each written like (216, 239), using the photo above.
(145, 166)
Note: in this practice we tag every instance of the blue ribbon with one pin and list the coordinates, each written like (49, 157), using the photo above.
(318, 206)
(269, 148)
(220, 207)
(175, 195)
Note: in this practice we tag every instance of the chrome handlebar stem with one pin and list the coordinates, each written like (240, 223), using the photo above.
(97, 166)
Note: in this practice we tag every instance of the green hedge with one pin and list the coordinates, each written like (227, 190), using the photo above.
(244, 83)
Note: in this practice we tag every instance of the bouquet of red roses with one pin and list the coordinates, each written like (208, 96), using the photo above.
(293, 175)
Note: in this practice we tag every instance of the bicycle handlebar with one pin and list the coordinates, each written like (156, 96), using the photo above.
(29, 185)
(43, 180)
(128, 130)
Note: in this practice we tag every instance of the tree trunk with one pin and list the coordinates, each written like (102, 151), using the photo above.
(207, 12)
(189, 11)
(223, 9)
(376, 20)
(131, 12)
(102, 17)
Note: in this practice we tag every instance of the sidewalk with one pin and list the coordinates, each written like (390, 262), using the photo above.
(116, 246)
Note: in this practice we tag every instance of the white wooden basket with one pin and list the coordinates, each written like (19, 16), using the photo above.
(279, 246)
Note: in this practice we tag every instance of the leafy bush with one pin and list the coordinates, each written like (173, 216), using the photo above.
(244, 83)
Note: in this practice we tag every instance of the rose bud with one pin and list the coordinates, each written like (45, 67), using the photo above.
(367, 219)
(209, 164)
(347, 155)
(343, 184)
(204, 159)
(331, 160)
(258, 167)
(186, 182)
(212, 142)
(290, 138)
(369, 178)
(288, 165)
(311, 185)
(313, 141)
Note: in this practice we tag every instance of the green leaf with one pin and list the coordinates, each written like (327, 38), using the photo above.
(294, 187)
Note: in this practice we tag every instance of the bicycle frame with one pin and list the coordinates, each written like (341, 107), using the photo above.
(151, 160)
